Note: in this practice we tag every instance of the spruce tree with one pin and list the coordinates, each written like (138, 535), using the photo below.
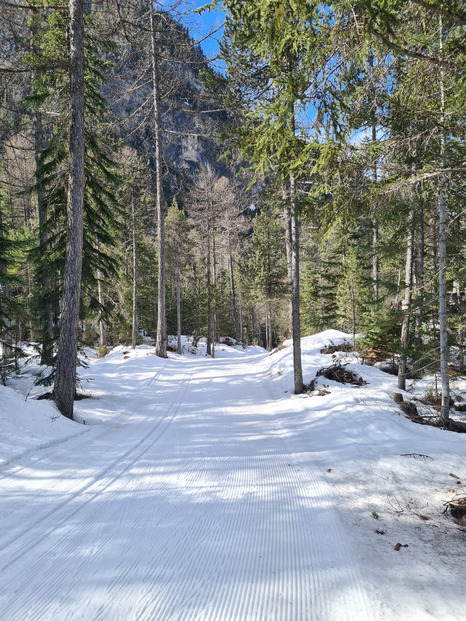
(75, 178)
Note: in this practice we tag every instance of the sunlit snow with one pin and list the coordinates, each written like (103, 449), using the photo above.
(199, 488)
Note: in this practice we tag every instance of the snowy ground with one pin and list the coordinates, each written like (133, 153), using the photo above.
(204, 489)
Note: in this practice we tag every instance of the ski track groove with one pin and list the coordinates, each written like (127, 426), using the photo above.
(37, 460)
(357, 603)
(247, 550)
(33, 452)
(29, 536)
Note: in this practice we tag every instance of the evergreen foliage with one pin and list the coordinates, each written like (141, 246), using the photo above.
(101, 179)
(344, 121)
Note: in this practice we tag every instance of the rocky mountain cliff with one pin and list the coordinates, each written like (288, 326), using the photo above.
(191, 117)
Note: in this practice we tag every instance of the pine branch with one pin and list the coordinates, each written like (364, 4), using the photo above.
(460, 18)
(411, 53)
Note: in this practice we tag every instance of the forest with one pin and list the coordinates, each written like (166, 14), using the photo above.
(315, 181)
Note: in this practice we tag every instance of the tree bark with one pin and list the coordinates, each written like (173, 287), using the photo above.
(445, 409)
(161, 337)
(65, 376)
(134, 320)
(419, 279)
(293, 226)
(240, 313)
(102, 327)
(4, 314)
(198, 288)
(375, 228)
(209, 291)
(288, 244)
(406, 305)
(234, 310)
(292, 255)
(442, 253)
(7, 349)
(178, 304)
(353, 313)
(214, 287)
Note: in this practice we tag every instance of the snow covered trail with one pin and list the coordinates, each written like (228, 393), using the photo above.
(190, 504)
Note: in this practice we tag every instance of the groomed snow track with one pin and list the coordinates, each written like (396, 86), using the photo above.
(193, 504)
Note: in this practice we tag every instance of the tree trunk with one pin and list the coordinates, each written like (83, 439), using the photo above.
(234, 310)
(240, 314)
(293, 226)
(398, 290)
(214, 286)
(419, 280)
(102, 327)
(161, 337)
(209, 292)
(442, 253)
(406, 306)
(267, 346)
(7, 344)
(178, 303)
(375, 229)
(134, 321)
(288, 246)
(353, 313)
(198, 287)
(442, 258)
(65, 376)
(4, 314)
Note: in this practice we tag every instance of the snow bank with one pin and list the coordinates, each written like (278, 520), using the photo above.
(391, 478)
(388, 478)
(27, 426)
(320, 340)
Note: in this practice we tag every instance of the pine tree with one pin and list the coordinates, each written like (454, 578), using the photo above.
(65, 375)
(75, 176)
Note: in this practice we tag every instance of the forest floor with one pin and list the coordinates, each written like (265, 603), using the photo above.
(202, 489)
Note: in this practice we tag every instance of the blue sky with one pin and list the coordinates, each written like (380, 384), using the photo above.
(200, 26)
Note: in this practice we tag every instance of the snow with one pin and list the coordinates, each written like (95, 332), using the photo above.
(318, 341)
(28, 426)
(199, 488)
